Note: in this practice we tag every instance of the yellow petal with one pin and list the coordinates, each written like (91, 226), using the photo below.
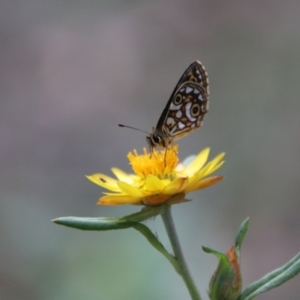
(153, 184)
(118, 200)
(120, 193)
(213, 169)
(104, 181)
(200, 173)
(216, 160)
(203, 183)
(197, 163)
(130, 190)
(210, 167)
(176, 186)
(122, 176)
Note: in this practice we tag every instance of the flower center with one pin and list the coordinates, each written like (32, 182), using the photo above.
(158, 163)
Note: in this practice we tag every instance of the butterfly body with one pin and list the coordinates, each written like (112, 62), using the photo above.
(185, 109)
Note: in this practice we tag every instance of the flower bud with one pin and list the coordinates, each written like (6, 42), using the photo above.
(226, 283)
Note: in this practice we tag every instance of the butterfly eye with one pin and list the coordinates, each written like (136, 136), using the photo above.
(177, 99)
(156, 139)
(195, 110)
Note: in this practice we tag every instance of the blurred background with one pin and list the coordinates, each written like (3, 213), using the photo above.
(72, 70)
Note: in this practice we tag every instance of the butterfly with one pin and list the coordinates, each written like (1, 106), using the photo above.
(185, 109)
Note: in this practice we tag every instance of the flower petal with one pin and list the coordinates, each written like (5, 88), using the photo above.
(130, 190)
(104, 181)
(118, 200)
(214, 162)
(214, 168)
(153, 184)
(122, 176)
(176, 186)
(203, 183)
(199, 174)
(197, 163)
(209, 168)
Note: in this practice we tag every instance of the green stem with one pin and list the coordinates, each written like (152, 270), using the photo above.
(185, 274)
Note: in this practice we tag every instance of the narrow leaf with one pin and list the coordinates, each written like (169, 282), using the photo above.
(240, 237)
(107, 223)
(99, 224)
(273, 279)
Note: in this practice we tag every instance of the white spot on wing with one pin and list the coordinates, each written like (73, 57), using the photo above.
(170, 121)
(188, 90)
(175, 107)
(180, 125)
(179, 114)
(200, 97)
(196, 91)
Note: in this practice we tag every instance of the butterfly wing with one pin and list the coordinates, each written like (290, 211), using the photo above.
(186, 111)
(194, 73)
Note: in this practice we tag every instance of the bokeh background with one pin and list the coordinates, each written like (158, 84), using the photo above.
(72, 70)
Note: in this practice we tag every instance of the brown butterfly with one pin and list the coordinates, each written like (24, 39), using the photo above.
(185, 109)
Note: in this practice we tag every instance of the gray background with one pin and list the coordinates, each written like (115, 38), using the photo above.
(72, 70)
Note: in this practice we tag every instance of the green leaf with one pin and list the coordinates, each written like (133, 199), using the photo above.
(273, 279)
(110, 223)
(102, 223)
(240, 237)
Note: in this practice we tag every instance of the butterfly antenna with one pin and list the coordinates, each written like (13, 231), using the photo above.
(125, 126)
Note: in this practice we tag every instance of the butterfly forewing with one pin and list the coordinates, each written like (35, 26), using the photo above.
(195, 73)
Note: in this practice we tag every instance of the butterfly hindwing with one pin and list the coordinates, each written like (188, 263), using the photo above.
(186, 110)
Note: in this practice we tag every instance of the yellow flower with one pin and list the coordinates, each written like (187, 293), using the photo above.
(158, 178)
